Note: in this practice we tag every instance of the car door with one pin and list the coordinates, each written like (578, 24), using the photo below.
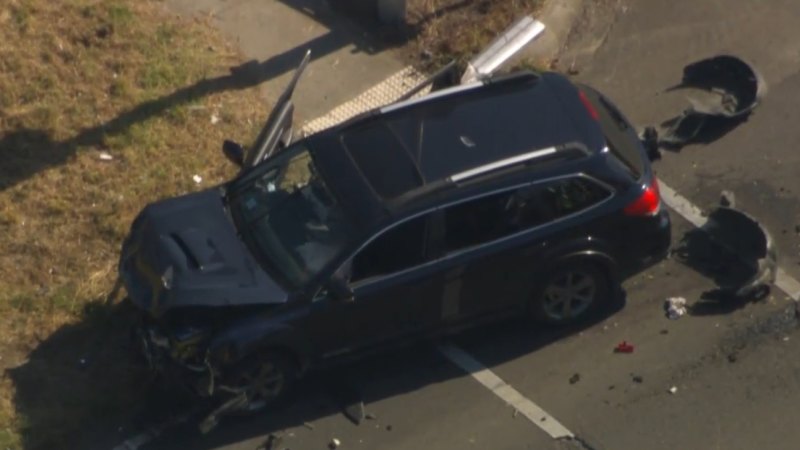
(502, 250)
(395, 293)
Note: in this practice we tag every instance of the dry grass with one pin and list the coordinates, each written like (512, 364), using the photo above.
(448, 30)
(79, 78)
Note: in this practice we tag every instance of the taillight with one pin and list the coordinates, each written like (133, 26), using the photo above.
(647, 204)
(588, 105)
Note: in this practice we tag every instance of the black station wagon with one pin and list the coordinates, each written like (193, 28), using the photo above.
(524, 194)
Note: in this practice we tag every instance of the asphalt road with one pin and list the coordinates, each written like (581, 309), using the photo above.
(735, 369)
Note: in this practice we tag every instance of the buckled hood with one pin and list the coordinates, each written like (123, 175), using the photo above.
(184, 251)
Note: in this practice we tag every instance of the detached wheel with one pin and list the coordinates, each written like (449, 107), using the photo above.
(266, 378)
(570, 293)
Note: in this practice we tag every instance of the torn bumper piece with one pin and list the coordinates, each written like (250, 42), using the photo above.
(735, 250)
(739, 88)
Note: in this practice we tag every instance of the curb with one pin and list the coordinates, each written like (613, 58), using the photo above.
(558, 17)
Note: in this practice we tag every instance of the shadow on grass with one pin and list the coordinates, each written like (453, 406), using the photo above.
(82, 384)
(25, 152)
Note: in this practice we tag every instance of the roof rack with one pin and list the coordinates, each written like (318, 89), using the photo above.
(564, 149)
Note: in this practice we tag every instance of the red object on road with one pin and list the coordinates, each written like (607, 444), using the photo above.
(623, 347)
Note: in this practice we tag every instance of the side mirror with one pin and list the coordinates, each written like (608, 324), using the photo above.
(234, 152)
(340, 290)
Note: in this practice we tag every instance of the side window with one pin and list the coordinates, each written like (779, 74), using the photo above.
(498, 215)
(571, 195)
(397, 249)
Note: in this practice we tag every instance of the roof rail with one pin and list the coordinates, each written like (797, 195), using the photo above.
(571, 147)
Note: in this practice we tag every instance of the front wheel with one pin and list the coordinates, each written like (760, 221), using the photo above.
(571, 292)
(265, 378)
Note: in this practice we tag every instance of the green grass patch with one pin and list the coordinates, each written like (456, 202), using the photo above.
(79, 78)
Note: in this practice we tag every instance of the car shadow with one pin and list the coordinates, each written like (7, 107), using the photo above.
(82, 382)
(83, 386)
(391, 374)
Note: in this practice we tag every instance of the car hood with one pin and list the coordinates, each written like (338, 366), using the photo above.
(184, 251)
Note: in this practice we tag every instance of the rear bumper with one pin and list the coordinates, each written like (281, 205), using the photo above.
(649, 242)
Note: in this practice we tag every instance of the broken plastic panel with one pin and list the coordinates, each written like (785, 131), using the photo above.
(502, 49)
(733, 249)
(736, 88)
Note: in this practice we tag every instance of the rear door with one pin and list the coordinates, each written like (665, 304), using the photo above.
(498, 241)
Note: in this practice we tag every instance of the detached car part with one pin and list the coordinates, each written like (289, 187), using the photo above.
(739, 88)
(734, 249)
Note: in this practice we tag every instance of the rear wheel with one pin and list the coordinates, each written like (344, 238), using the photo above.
(571, 292)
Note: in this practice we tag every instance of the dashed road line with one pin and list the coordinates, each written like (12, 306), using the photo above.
(506, 392)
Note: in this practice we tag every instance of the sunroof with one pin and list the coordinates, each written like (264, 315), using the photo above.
(383, 160)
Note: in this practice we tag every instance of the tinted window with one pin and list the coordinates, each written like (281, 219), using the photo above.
(397, 249)
(617, 132)
(386, 165)
(495, 216)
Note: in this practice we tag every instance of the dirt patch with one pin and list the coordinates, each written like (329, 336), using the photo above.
(446, 30)
(436, 32)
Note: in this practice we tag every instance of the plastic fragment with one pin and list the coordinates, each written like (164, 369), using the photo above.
(623, 347)
(676, 307)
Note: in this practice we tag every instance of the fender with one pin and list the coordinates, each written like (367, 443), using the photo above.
(241, 339)
(587, 249)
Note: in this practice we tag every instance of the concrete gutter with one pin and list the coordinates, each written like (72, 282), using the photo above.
(559, 17)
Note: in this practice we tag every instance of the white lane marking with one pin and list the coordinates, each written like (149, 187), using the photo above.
(508, 394)
(693, 214)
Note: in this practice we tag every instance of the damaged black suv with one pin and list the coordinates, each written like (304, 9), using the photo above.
(517, 195)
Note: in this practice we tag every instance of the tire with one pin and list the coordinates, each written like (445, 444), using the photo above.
(267, 377)
(570, 293)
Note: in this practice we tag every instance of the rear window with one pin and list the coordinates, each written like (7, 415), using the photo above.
(618, 133)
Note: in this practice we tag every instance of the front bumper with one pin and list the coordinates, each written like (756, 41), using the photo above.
(157, 351)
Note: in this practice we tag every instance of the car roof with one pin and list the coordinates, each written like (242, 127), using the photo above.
(402, 152)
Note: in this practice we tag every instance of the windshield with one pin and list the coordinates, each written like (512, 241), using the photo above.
(288, 216)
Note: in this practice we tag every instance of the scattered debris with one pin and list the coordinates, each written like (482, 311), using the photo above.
(272, 443)
(673, 390)
(335, 443)
(638, 379)
(732, 357)
(515, 413)
(105, 156)
(370, 416)
(735, 251)
(727, 199)
(348, 398)
(738, 88)
(664, 331)
(197, 179)
(575, 378)
(308, 425)
(675, 307)
(83, 363)
(785, 338)
(388, 428)
(214, 119)
(623, 347)
(612, 387)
